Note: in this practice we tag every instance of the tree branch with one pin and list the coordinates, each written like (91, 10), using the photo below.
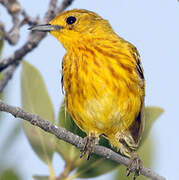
(34, 37)
(71, 138)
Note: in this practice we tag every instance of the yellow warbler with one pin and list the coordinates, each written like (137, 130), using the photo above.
(102, 77)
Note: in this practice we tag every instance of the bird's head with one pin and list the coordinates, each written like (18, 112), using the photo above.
(76, 26)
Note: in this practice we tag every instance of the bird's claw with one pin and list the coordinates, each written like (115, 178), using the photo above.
(89, 143)
(135, 166)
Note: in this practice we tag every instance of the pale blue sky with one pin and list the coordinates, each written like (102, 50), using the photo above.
(153, 27)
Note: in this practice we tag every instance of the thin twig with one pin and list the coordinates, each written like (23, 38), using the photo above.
(63, 134)
(13, 7)
(28, 19)
(12, 36)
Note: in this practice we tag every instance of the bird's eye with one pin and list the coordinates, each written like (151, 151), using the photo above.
(71, 20)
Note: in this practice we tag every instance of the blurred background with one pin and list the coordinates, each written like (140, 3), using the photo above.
(152, 26)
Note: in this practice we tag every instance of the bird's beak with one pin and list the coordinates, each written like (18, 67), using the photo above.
(45, 27)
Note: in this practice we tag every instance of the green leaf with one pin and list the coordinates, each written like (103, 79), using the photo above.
(151, 115)
(41, 177)
(35, 99)
(86, 169)
(9, 174)
(146, 154)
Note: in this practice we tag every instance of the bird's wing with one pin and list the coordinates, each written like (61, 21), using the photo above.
(137, 126)
(137, 58)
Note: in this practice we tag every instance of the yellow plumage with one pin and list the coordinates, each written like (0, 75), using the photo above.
(103, 79)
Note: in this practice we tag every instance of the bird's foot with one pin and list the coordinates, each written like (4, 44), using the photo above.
(89, 143)
(135, 165)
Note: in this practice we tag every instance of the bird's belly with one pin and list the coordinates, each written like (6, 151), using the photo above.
(103, 112)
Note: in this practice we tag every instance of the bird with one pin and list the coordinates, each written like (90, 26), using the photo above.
(103, 80)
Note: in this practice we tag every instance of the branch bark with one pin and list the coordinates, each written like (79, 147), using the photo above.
(71, 138)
